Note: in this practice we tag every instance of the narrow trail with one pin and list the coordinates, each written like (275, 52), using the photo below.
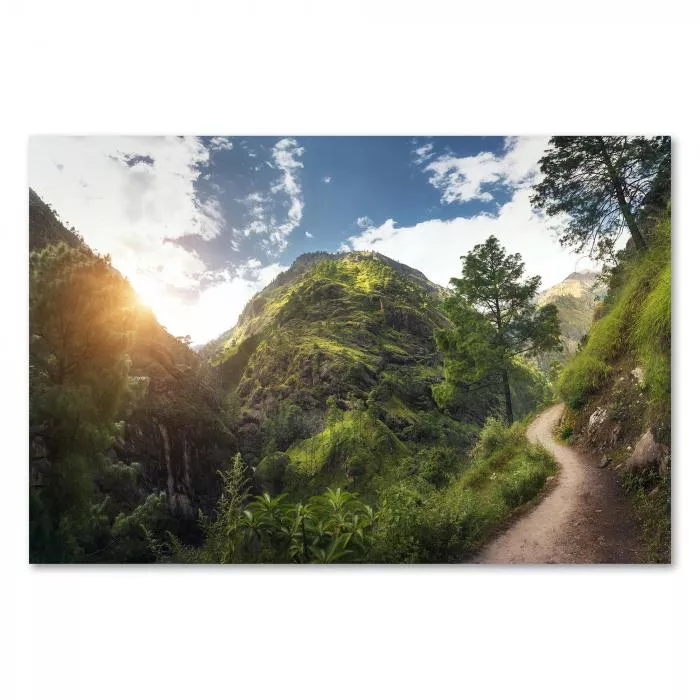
(585, 519)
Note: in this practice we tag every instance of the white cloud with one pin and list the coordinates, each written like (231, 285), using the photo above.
(285, 154)
(423, 153)
(364, 222)
(263, 221)
(463, 179)
(434, 247)
(218, 306)
(220, 143)
(127, 196)
(308, 235)
(327, 179)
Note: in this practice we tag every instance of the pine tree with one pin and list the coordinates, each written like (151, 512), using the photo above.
(601, 183)
(495, 319)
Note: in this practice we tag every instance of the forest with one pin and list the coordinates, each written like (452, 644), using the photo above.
(357, 412)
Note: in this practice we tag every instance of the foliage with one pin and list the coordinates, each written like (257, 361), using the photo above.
(600, 183)
(417, 523)
(495, 320)
(108, 387)
(565, 430)
(130, 541)
(351, 449)
(333, 527)
(81, 326)
(271, 472)
(651, 494)
(637, 323)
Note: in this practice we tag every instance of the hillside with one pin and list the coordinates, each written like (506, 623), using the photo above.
(576, 299)
(332, 368)
(618, 386)
(172, 428)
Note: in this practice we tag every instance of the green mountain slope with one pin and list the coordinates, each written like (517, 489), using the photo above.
(332, 368)
(618, 386)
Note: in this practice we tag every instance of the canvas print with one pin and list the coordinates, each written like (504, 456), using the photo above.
(349, 350)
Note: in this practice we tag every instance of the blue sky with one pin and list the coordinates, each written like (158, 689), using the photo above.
(199, 224)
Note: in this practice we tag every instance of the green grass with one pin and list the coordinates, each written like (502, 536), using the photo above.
(352, 448)
(451, 523)
(651, 498)
(637, 325)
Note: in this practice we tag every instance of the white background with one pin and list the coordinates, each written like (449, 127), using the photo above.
(348, 68)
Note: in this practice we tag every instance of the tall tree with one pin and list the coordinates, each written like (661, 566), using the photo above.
(81, 322)
(601, 183)
(495, 318)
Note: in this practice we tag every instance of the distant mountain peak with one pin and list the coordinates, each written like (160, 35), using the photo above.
(583, 275)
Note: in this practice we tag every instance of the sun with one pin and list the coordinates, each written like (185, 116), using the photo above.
(151, 295)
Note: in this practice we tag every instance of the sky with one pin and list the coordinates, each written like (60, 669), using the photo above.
(200, 224)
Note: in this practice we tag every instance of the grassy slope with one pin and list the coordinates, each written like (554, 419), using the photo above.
(636, 325)
(634, 332)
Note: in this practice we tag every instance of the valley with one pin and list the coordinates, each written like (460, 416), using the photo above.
(356, 412)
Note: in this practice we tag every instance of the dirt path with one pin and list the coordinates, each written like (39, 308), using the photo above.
(585, 519)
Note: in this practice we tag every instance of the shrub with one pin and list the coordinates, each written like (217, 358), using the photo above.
(527, 478)
(271, 471)
(450, 523)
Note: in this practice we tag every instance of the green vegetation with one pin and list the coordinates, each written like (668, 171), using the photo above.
(651, 494)
(636, 324)
(78, 384)
(333, 527)
(495, 321)
(416, 522)
(352, 442)
(118, 410)
(603, 183)
(624, 365)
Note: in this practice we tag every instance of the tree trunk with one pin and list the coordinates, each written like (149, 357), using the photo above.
(631, 222)
(506, 394)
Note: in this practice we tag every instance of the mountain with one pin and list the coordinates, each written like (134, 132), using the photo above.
(332, 378)
(45, 227)
(176, 430)
(576, 298)
(332, 367)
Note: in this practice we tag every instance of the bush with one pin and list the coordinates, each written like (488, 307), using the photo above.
(451, 523)
(566, 430)
(526, 480)
(271, 471)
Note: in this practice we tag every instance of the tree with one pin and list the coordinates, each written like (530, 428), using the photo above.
(495, 320)
(81, 322)
(601, 183)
